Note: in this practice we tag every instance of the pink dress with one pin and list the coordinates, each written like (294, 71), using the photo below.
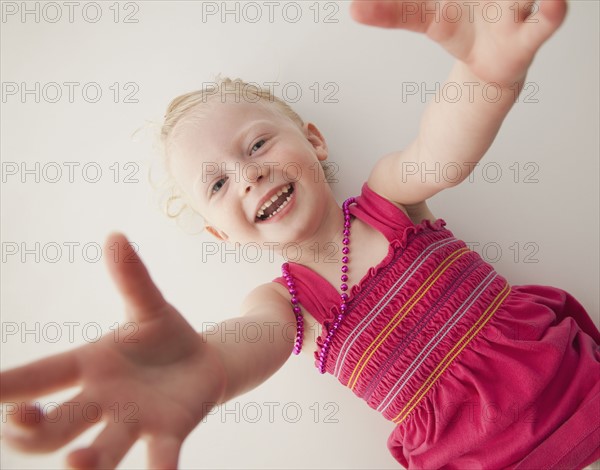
(476, 373)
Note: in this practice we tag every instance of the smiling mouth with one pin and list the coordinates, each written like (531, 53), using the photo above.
(275, 204)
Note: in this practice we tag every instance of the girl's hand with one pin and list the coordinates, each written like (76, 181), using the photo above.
(157, 383)
(496, 39)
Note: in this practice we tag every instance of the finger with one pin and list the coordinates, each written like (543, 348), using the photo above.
(107, 450)
(540, 25)
(524, 8)
(39, 378)
(55, 426)
(389, 14)
(21, 416)
(163, 452)
(142, 298)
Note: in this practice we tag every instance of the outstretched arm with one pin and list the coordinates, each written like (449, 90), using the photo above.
(165, 378)
(494, 44)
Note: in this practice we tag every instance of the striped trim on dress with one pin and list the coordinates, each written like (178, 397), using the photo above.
(401, 314)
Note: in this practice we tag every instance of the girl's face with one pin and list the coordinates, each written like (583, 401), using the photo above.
(232, 159)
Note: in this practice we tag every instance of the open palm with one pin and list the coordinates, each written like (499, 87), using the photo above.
(156, 379)
(498, 40)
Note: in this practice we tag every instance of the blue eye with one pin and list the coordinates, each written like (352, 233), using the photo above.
(218, 185)
(261, 142)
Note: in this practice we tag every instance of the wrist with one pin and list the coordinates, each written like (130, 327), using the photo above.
(495, 97)
(507, 83)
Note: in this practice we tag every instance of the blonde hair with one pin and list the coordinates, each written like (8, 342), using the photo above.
(181, 106)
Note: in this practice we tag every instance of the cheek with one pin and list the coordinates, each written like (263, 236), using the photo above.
(296, 163)
(225, 213)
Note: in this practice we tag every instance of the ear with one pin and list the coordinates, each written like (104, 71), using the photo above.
(216, 233)
(317, 140)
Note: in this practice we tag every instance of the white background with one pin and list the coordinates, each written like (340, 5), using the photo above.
(173, 48)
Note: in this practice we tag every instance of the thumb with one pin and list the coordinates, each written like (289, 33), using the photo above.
(390, 14)
(143, 300)
(541, 26)
(374, 13)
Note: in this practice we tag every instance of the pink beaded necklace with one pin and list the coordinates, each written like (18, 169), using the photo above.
(343, 296)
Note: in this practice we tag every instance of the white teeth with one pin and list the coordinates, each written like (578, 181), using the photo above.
(261, 211)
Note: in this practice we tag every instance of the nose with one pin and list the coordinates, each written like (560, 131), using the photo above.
(252, 174)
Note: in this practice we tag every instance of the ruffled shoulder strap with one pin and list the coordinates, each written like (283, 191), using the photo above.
(380, 213)
(314, 293)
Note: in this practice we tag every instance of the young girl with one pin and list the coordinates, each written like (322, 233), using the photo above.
(414, 322)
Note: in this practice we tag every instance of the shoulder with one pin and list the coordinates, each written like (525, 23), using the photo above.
(419, 212)
(268, 296)
(404, 181)
(416, 212)
(272, 300)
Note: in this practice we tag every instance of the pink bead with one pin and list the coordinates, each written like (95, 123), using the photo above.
(343, 297)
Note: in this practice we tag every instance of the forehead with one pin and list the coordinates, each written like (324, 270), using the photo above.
(215, 126)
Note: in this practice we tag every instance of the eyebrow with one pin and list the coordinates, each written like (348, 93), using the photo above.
(201, 181)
